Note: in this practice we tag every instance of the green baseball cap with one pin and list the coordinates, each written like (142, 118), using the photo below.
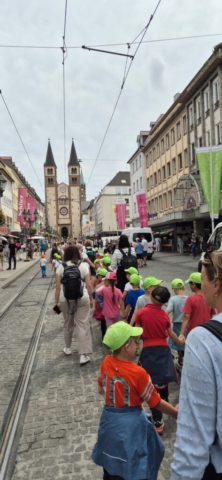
(131, 270)
(102, 272)
(177, 283)
(56, 255)
(194, 278)
(106, 260)
(118, 334)
(151, 282)
(135, 279)
(97, 260)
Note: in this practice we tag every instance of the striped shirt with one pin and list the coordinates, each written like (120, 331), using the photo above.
(117, 256)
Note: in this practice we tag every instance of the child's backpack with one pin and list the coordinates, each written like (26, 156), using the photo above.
(128, 260)
(91, 254)
(72, 283)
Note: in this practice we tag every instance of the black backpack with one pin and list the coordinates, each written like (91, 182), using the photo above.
(214, 327)
(128, 260)
(72, 282)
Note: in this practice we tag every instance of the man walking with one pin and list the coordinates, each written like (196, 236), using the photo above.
(12, 254)
(145, 249)
(193, 245)
(157, 243)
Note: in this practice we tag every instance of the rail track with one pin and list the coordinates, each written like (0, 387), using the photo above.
(12, 413)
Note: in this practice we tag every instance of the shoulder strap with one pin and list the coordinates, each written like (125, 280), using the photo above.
(129, 251)
(123, 253)
(214, 327)
(64, 264)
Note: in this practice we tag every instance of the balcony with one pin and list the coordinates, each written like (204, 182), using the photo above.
(207, 113)
(199, 121)
(191, 127)
(216, 105)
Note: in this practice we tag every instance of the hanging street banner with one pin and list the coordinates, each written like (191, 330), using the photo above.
(120, 211)
(31, 205)
(22, 194)
(142, 209)
(210, 168)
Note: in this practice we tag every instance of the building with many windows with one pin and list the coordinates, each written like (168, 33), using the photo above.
(116, 191)
(176, 204)
(137, 175)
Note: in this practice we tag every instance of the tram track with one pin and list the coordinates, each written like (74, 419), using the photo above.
(12, 414)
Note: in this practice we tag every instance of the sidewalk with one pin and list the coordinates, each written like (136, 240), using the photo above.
(9, 276)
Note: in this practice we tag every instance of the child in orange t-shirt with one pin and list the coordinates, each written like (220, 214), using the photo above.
(125, 386)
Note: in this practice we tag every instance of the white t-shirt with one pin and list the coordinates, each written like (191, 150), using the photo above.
(83, 271)
(128, 286)
(43, 262)
(145, 245)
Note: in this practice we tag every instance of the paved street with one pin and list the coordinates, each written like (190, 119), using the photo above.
(63, 408)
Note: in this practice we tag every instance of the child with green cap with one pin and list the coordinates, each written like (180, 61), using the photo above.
(175, 306)
(195, 311)
(132, 296)
(106, 261)
(98, 312)
(127, 446)
(130, 271)
(148, 284)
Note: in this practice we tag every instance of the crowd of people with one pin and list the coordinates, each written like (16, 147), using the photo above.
(134, 314)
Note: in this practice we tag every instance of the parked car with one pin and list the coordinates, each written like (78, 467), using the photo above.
(133, 233)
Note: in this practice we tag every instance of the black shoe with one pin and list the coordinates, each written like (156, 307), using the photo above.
(14, 268)
(8, 268)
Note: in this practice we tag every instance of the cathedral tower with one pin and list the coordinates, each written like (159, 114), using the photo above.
(50, 177)
(74, 192)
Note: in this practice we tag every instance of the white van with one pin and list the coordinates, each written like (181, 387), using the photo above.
(133, 233)
(214, 243)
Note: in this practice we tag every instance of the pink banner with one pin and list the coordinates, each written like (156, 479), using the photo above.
(31, 205)
(120, 211)
(142, 209)
(22, 192)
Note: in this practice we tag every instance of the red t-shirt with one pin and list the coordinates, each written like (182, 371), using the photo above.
(198, 311)
(154, 322)
(125, 384)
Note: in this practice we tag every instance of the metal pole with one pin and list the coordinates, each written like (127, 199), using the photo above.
(211, 191)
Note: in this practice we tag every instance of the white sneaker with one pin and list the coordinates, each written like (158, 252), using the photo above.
(67, 351)
(84, 359)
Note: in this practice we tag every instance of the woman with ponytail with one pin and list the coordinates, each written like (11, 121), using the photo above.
(112, 299)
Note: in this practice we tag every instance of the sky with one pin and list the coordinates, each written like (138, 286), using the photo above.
(31, 80)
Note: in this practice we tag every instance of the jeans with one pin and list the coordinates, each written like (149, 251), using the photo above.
(180, 248)
(156, 414)
(43, 268)
(193, 251)
(10, 262)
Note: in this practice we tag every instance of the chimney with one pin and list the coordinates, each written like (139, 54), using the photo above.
(176, 96)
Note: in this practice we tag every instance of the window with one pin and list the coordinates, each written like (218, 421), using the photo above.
(161, 203)
(150, 157)
(73, 171)
(147, 161)
(186, 157)
(198, 110)
(162, 145)
(118, 190)
(156, 204)
(154, 154)
(168, 169)
(172, 136)
(126, 200)
(158, 150)
(199, 142)
(141, 183)
(180, 161)
(137, 185)
(74, 180)
(49, 171)
(134, 207)
(164, 201)
(151, 181)
(217, 134)
(50, 181)
(178, 131)
(127, 213)
(216, 94)
(192, 154)
(63, 201)
(159, 176)
(191, 116)
(174, 168)
(164, 173)
(167, 141)
(170, 199)
(140, 161)
(124, 190)
(208, 138)
(133, 166)
(134, 187)
(155, 179)
(206, 103)
(148, 184)
(184, 124)
(136, 164)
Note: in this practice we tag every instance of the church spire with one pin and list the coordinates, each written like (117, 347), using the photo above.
(49, 161)
(73, 159)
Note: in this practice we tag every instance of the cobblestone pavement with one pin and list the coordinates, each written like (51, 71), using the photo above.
(63, 407)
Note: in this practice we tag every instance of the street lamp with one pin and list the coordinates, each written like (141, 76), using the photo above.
(2, 181)
(27, 218)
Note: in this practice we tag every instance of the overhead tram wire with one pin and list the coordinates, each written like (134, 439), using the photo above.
(122, 86)
(157, 40)
(21, 139)
(65, 55)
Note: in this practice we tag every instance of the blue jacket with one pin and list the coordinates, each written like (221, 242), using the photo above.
(128, 444)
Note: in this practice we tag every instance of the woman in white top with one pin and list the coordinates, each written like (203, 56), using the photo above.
(117, 257)
(82, 313)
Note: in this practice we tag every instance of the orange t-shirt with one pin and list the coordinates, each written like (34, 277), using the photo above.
(125, 384)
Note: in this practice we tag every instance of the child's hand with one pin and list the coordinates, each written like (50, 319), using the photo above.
(182, 339)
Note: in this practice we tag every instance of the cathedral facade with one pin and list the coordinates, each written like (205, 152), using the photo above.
(63, 201)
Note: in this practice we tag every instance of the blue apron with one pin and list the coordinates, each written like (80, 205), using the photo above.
(158, 363)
